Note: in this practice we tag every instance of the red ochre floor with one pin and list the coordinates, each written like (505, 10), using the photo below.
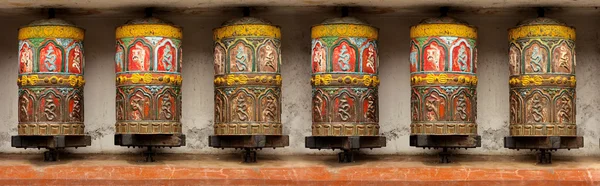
(187, 169)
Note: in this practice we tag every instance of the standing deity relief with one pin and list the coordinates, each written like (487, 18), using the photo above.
(319, 61)
(26, 58)
(434, 57)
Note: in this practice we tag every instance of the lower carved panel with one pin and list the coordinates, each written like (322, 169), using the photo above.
(248, 129)
(543, 130)
(151, 127)
(345, 129)
(50, 129)
(443, 128)
(542, 111)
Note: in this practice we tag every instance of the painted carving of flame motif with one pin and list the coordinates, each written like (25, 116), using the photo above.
(165, 109)
(50, 108)
(50, 61)
(344, 59)
(344, 108)
(513, 109)
(269, 58)
(240, 59)
(270, 109)
(218, 105)
(137, 106)
(242, 108)
(317, 113)
(167, 58)
(462, 59)
(76, 113)
(536, 59)
(371, 58)
(461, 107)
(564, 58)
(564, 110)
(536, 109)
(370, 114)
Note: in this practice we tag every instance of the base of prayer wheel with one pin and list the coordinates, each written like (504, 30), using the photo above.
(543, 144)
(52, 143)
(249, 143)
(150, 141)
(445, 142)
(349, 144)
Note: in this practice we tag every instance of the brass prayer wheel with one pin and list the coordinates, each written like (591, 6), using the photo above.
(443, 66)
(344, 80)
(542, 78)
(148, 77)
(50, 80)
(247, 60)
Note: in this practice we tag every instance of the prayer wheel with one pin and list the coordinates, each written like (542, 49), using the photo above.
(345, 66)
(51, 65)
(148, 77)
(443, 65)
(542, 78)
(247, 60)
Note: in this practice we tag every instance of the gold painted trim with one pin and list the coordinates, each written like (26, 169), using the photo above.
(328, 79)
(542, 31)
(444, 79)
(345, 129)
(145, 30)
(537, 80)
(248, 128)
(344, 30)
(247, 30)
(443, 29)
(148, 78)
(51, 32)
(73, 80)
(50, 129)
(242, 79)
(148, 127)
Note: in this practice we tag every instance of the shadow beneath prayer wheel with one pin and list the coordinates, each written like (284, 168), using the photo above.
(150, 141)
(248, 143)
(54, 144)
(445, 142)
(349, 144)
(543, 144)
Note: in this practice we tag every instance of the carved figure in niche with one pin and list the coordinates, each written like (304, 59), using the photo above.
(26, 59)
(50, 60)
(218, 111)
(241, 59)
(371, 58)
(50, 108)
(413, 58)
(370, 114)
(344, 108)
(24, 109)
(414, 101)
(165, 109)
(76, 110)
(535, 59)
(564, 110)
(462, 58)
(432, 103)
(119, 59)
(514, 62)
(317, 111)
(563, 57)
(433, 57)
(138, 102)
(76, 62)
(219, 60)
(537, 111)
(461, 107)
(269, 58)
(139, 54)
(513, 109)
(344, 59)
(319, 61)
(268, 113)
(242, 108)
(167, 58)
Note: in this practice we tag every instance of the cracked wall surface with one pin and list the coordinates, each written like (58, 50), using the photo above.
(394, 90)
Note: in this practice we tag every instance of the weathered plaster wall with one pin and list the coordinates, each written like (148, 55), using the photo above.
(394, 90)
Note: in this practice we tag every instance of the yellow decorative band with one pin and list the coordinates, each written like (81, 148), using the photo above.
(247, 30)
(72, 80)
(443, 29)
(242, 79)
(144, 30)
(458, 79)
(148, 78)
(330, 80)
(537, 80)
(344, 30)
(541, 31)
(51, 32)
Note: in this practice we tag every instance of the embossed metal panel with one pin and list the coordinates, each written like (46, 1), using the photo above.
(247, 60)
(148, 77)
(443, 66)
(542, 78)
(345, 62)
(51, 63)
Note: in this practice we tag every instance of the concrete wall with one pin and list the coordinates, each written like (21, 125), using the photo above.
(394, 73)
